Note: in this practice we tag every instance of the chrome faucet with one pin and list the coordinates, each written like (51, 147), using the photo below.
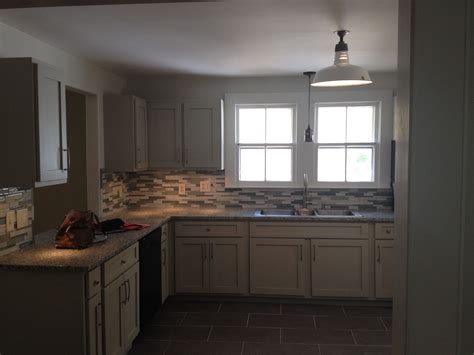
(305, 191)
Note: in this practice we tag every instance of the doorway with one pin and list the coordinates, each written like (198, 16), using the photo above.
(53, 202)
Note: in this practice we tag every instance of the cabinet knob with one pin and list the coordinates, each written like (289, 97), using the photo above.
(208, 229)
(123, 262)
(388, 231)
(95, 283)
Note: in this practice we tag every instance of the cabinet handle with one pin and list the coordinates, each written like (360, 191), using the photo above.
(123, 300)
(68, 160)
(128, 290)
(164, 257)
(178, 155)
(212, 251)
(378, 254)
(301, 252)
(99, 315)
(204, 251)
(139, 151)
(314, 252)
(98, 326)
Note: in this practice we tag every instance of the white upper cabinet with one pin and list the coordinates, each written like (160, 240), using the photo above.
(165, 134)
(125, 132)
(185, 135)
(33, 112)
(202, 135)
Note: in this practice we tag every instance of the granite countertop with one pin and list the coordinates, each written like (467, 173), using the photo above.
(42, 254)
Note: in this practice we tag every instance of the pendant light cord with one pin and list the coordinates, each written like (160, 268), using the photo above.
(309, 100)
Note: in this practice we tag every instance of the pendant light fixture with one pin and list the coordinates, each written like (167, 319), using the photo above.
(342, 73)
(308, 133)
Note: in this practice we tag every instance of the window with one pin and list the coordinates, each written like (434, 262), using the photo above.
(346, 142)
(265, 142)
(265, 148)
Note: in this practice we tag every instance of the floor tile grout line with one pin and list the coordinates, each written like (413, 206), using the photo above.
(219, 308)
(314, 321)
(167, 347)
(209, 335)
(248, 320)
(242, 348)
(383, 323)
(344, 310)
(353, 337)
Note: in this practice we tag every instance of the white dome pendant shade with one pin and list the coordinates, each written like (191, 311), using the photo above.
(342, 73)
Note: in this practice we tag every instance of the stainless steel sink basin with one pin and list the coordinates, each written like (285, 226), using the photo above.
(276, 213)
(336, 213)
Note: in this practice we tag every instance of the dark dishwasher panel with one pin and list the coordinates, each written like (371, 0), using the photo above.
(150, 276)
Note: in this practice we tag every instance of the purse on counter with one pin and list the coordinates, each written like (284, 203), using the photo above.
(77, 230)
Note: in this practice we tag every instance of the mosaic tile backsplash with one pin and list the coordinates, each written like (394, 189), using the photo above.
(160, 188)
(10, 200)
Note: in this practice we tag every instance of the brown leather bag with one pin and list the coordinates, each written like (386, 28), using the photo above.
(77, 230)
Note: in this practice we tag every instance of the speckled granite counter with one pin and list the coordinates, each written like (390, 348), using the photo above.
(43, 255)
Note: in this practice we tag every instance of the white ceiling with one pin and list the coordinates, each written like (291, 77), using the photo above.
(230, 38)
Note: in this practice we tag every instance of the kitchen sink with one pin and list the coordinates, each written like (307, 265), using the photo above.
(336, 213)
(312, 213)
(276, 213)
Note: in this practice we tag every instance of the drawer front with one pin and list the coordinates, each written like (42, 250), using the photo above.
(119, 263)
(164, 232)
(210, 229)
(309, 230)
(94, 282)
(384, 231)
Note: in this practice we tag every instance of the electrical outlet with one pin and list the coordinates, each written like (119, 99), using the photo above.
(182, 188)
(205, 186)
(11, 219)
(22, 218)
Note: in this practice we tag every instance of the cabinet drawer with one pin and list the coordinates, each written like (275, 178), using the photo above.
(384, 231)
(119, 263)
(210, 229)
(309, 230)
(94, 282)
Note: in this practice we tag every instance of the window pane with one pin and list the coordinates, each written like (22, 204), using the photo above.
(279, 163)
(331, 164)
(279, 125)
(331, 124)
(360, 124)
(252, 164)
(360, 164)
(251, 125)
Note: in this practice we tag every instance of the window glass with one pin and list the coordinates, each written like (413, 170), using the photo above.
(331, 164)
(279, 125)
(278, 164)
(251, 125)
(360, 124)
(331, 125)
(252, 164)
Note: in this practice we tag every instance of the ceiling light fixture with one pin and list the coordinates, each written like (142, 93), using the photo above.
(308, 132)
(342, 73)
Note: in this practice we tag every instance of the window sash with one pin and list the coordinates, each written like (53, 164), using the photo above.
(346, 146)
(292, 147)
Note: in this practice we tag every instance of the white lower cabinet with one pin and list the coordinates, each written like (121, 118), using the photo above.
(211, 265)
(121, 311)
(339, 268)
(384, 268)
(277, 266)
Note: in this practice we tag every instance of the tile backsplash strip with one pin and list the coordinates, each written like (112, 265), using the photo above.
(12, 199)
(160, 188)
(114, 192)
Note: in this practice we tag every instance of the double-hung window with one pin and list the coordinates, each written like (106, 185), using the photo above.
(346, 142)
(265, 142)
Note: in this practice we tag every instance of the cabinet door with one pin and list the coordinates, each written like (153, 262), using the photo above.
(384, 268)
(202, 135)
(114, 297)
(141, 138)
(228, 263)
(277, 266)
(164, 135)
(94, 329)
(131, 305)
(340, 268)
(192, 265)
(165, 281)
(52, 149)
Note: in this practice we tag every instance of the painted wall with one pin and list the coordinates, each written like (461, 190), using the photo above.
(213, 88)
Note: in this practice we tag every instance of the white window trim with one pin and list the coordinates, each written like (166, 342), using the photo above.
(305, 153)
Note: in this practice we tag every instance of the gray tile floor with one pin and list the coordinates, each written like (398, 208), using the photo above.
(228, 328)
